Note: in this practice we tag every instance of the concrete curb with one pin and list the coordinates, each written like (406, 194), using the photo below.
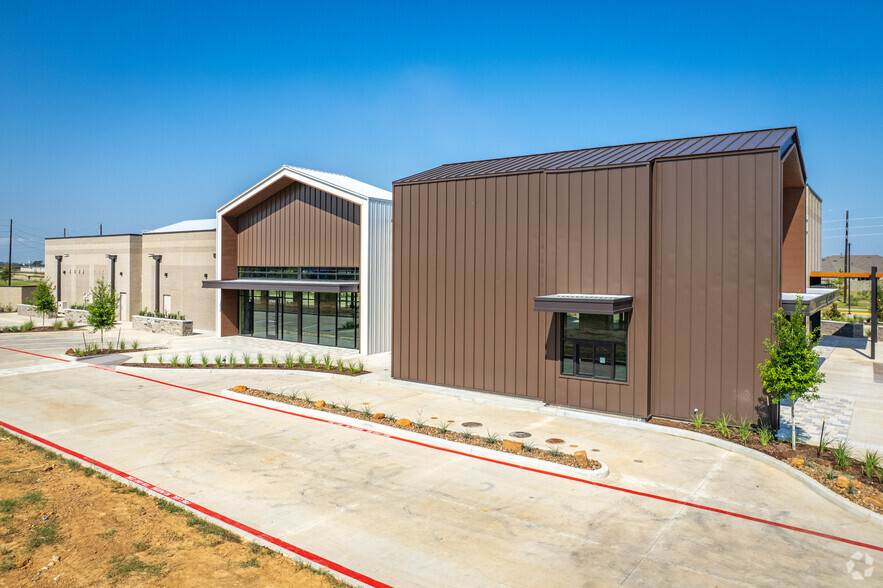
(807, 481)
(518, 461)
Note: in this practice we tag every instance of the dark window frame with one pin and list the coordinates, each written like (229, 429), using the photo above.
(579, 342)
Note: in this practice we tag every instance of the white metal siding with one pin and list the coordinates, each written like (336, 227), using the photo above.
(378, 310)
(813, 231)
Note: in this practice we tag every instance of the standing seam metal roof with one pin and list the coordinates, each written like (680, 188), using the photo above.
(630, 154)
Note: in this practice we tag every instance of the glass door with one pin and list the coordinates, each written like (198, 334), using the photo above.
(273, 308)
(594, 359)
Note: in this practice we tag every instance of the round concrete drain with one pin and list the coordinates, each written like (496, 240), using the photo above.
(471, 424)
(555, 441)
(519, 434)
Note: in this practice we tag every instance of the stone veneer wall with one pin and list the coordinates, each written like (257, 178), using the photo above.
(162, 325)
(81, 316)
(29, 310)
(843, 329)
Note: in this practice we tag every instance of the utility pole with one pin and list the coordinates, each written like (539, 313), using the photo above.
(100, 229)
(9, 277)
(846, 260)
(874, 310)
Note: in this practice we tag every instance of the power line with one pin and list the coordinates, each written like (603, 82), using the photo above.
(858, 227)
(840, 220)
(862, 235)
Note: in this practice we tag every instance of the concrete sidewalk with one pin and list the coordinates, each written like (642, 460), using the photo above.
(851, 398)
(408, 515)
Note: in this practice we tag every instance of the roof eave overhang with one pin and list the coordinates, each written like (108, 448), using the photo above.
(279, 178)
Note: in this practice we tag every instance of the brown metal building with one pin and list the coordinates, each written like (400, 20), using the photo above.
(636, 279)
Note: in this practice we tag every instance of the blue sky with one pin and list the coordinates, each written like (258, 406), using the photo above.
(137, 115)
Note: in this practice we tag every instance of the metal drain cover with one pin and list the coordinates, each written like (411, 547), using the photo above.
(471, 424)
(555, 441)
(519, 434)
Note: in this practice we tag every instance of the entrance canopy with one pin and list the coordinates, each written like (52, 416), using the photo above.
(583, 303)
(812, 300)
(284, 285)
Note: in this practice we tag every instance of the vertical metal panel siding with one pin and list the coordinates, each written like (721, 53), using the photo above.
(379, 275)
(813, 232)
(716, 282)
(794, 242)
(470, 255)
(300, 226)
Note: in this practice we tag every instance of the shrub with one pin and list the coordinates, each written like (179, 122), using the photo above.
(159, 358)
(722, 425)
(232, 359)
(27, 326)
(219, 360)
(841, 454)
(57, 325)
(246, 359)
(203, 359)
(697, 419)
(314, 359)
(71, 321)
(143, 358)
(766, 435)
(289, 360)
(744, 429)
(340, 365)
(175, 360)
(135, 345)
(326, 360)
(871, 464)
(260, 359)
(302, 360)
(122, 344)
(491, 438)
(274, 361)
(188, 361)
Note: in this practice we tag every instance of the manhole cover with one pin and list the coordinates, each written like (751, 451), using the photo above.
(519, 434)
(471, 424)
(555, 441)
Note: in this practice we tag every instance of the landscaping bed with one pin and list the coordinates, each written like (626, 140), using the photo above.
(93, 349)
(245, 362)
(65, 525)
(847, 478)
(18, 329)
(440, 428)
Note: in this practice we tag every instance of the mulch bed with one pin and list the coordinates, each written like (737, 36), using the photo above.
(434, 430)
(46, 330)
(239, 366)
(72, 353)
(866, 492)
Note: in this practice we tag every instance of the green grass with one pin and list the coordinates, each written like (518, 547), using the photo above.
(107, 534)
(122, 567)
(250, 563)
(43, 533)
(13, 504)
(206, 528)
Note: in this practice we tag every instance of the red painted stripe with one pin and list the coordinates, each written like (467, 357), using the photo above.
(318, 559)
(503, 463)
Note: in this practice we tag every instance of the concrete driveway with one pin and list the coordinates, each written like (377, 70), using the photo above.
(405, 515)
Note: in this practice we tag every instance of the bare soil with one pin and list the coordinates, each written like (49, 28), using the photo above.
(65, 525)
(866, 491)
(239, 366)
(434, 429)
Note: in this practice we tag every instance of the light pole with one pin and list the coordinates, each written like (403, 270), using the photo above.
(157, 258)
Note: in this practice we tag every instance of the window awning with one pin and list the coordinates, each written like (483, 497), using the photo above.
(284, 285)
(812, 300)
(583, 303)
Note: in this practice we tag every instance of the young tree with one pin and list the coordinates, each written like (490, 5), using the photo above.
(44, 300)
(102, 310)
(792, 371)
(5, 272)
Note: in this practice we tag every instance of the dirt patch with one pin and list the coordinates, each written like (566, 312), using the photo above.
(444, 431)
(861, 489)
(64, 525)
